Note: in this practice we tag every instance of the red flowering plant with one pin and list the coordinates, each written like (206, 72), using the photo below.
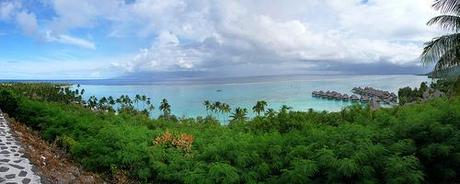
(181, 141)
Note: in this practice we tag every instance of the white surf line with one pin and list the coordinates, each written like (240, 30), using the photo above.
(14, 166)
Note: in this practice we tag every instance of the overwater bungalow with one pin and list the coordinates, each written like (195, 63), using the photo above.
(378, 95)
(329, 95)
(315, 94)
(387, 101)
(338, 96)
(364, 99)
(321, 93)
(354, 98)
(356, 89)
(364, 95)
(345, 97)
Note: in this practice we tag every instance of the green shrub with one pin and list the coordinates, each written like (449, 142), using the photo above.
(417, 143)
(8, 102)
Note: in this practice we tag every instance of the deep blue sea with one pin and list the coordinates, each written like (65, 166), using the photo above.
(186, 97)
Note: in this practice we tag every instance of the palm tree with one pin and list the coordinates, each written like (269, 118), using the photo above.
(270, 113)
(207, 106)
(444, 50)
(102, 105)
(92, 102)
(165, 107)
(285, 109)
(151, 108)
(137, 98)
(239, 114)
(259, 107)
(148, 104)
(118, 100)
(129, 102)
(111, 102)
(126, 104)
(144, 101)
(226, 109)
(217, 107)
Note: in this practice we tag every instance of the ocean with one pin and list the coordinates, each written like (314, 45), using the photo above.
(186, 97)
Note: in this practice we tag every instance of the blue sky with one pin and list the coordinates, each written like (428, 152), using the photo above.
(81, 39)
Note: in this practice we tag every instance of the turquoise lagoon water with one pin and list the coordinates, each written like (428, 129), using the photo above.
(186, 98)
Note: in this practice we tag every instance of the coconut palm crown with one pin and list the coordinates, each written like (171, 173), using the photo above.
(444, 51)
(165, 107)
(259, 107)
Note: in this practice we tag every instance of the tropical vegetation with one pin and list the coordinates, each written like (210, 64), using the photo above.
(444, 51)
(416, 143)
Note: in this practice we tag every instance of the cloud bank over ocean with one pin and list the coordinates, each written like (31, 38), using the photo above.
(107, 38)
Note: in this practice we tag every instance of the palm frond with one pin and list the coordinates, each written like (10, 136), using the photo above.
(447, 6)
(447, 22)
(436, 48)
(448, 61)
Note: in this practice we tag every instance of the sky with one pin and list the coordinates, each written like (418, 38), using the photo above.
(88, 39)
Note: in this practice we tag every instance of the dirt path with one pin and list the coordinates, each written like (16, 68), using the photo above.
(14, 166)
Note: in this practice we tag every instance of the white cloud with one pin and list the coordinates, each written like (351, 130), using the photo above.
(27, 22)
(67, 39)
(165, 54)
(339, 30)
(209, 34)
(392, 19)
(8, 9)
(81, 13)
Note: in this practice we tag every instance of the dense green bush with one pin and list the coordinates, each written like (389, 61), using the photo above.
(8, 102)
(448, 86)
(408, 95)
(418, 143)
